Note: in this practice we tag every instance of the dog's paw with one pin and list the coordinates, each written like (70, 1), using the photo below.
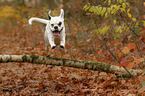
(53, 47)
(61, 46)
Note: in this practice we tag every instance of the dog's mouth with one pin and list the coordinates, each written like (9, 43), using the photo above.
(56, 33)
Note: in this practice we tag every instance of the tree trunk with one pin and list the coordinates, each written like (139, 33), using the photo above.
(68, 62)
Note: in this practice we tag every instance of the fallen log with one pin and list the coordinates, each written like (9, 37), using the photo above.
(69, 63)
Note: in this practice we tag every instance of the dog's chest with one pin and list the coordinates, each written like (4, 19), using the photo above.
(57, 40)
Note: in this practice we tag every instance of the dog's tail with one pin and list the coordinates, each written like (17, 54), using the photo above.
(38, 19)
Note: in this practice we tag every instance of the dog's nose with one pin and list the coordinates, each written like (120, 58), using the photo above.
(56, 27)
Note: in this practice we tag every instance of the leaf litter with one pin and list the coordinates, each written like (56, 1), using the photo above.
(33, 79)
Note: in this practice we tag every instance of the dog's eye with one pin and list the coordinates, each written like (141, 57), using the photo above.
(59, 24)
(52, 25)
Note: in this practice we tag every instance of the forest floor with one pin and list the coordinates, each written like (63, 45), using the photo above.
(47, 80)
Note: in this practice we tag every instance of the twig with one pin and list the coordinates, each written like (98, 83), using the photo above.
(107, 48)
(130, 27)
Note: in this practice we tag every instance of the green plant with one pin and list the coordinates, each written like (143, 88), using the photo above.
(116, 13)
(115, 20)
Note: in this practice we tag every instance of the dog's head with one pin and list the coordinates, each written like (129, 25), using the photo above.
(57, 23)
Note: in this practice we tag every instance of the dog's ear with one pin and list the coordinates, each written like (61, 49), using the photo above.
(49, 16)
(62, 13)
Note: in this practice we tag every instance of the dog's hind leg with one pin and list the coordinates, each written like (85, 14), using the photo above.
(47, 49)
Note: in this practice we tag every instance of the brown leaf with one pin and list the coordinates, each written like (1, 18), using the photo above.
(141, 89)
(113, 83)
(119, 54)
(137, 60)
(122, 64)
(130, 65)
(131, 46)
(125, 50)
(40, 87)
(106, 84)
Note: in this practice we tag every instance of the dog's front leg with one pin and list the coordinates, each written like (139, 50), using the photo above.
(62, 40)
(51, 41)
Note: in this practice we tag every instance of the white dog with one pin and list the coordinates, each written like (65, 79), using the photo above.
(54, 28)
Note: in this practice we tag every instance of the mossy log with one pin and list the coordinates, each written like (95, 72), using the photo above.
(69, 63)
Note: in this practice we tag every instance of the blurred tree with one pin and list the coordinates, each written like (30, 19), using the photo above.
(21, 2)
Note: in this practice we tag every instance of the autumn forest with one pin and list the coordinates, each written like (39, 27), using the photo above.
(97, 32)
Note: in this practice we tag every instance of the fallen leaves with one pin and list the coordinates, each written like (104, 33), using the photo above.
(131, 62)
(130, 66)
(122, 64)
(131, 46)
(46, 79)
(125, 50)
(28, 79)
(138, 60)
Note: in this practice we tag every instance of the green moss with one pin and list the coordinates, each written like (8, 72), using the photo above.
(92, 66)
(1, 60)
(55, 58)
(89, 64)
(8, 60)
(43, 58)
(63, 60)
(34, 57)
(24, 58)
(86, 65)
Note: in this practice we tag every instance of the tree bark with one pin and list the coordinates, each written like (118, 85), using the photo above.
(68, 62)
